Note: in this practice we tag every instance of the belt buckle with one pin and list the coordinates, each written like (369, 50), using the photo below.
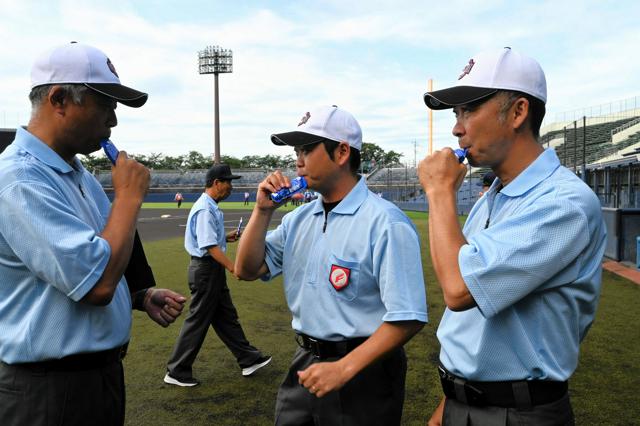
(457, 385)
(445, 375)
(442, 373)
(309, 344)
(314, 347)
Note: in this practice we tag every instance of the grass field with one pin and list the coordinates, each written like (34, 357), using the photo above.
(604, 389)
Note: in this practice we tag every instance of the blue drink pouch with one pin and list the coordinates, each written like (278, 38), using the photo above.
(297, 185)
(110, 150)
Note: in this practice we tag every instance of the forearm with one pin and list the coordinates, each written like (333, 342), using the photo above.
(218, 255)
(250, 255)
(389, 336)
(445, 241)
(119, 233)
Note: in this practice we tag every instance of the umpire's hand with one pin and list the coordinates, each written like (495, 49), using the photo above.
(163, 305)
(272, 183)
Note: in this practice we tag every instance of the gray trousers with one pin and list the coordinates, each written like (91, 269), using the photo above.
(373, 397)
(72, 398)
(211, 305)
(557, 413)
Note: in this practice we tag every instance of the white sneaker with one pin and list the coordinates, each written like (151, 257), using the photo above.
(182, 382)
(260, 362)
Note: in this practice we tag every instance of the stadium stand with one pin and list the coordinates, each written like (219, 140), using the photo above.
(585, 145)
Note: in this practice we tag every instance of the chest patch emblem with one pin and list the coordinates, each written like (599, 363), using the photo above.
(339, 277)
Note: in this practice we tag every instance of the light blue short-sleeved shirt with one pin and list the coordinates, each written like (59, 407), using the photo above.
(205, 227)
(535, 274)
(369, 245)
(51, 256)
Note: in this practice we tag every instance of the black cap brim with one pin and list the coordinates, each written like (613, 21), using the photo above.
(225, 177)
(454, 96)
(296, 138)
(123, 94)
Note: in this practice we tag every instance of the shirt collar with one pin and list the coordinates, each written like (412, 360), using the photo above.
(210, 200)
(43, 152)
(350, 203)
(541, 168)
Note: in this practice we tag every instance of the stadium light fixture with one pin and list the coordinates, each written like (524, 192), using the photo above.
(215, 60)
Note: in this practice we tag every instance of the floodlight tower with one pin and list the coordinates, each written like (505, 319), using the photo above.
(215, 60)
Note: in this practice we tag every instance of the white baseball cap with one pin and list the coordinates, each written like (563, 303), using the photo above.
(326, 122)
(488, 72)
(77, 63)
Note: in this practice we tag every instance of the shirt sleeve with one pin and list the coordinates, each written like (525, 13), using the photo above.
(398, 265)
(49, 239)
(274, 251)
(206, 229)
(514, 257)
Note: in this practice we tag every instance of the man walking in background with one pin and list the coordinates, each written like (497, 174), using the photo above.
(211, 305)
(521, 280)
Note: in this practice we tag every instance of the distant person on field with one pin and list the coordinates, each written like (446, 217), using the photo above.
(178, 198)
(65, 250)
(521, 279)
(211, 305)
(352, 279)
(246, 198)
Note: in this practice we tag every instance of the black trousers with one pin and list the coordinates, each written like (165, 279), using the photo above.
(37, 397)
(211, 305)
(557, 413)
(375, 396)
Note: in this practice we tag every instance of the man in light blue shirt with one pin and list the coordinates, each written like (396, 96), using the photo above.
(65, 307)
(521, 280)
(352, 279)
(205, 240)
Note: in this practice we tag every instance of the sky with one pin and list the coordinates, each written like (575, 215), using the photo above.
(373, 58)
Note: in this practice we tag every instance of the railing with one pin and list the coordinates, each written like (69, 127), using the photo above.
(612, 110)
(625, 126)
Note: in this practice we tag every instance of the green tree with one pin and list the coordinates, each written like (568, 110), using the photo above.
(233, 162)
(371, 151)
(391, 158)
(195, 160)
(93, 163)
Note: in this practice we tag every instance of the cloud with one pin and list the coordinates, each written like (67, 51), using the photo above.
(371, 58)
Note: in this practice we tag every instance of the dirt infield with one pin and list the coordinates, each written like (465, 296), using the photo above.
(161, 224)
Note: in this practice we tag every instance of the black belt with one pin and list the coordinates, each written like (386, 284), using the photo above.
(78, 362)
(323, 349)
(521, 394)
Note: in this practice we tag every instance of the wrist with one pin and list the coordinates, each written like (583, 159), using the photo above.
(139, 298)
(265, 209)
(440, 192)
(127, 201)
(347, 369)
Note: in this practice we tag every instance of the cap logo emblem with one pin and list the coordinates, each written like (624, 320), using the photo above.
(304, 119)
(339, 277)
(112, 68)
(467, 69)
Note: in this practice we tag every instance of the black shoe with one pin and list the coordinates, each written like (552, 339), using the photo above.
(260, 362)
(182, 382)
